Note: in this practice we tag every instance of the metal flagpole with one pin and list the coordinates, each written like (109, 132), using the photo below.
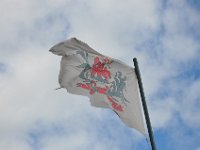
(146, 114)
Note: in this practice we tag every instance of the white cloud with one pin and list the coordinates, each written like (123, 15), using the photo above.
(162, 112)
(118, 29)
(189, 108)
(10, 143)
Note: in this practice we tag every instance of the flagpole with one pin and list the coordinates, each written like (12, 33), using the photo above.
(146, 114)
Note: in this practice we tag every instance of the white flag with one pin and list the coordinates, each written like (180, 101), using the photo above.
(108, 82)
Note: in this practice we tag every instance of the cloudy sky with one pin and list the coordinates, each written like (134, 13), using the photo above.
(163, 34)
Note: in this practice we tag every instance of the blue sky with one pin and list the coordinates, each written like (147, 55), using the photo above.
(163, 34)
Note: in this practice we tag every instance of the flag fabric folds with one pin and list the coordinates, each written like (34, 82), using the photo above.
(108, 82)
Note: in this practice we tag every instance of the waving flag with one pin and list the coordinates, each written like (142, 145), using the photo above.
(108, 82)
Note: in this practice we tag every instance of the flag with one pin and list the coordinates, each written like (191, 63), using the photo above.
(109, 83)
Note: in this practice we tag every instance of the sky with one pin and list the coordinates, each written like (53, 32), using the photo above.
(164, 35)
